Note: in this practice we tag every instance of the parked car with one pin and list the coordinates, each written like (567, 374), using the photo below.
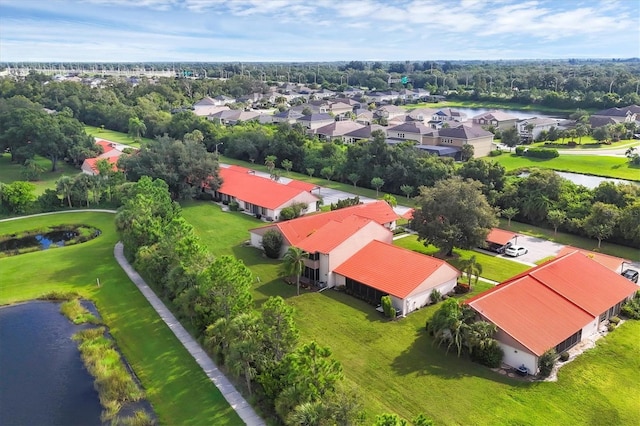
(631, 275)
(515, 251)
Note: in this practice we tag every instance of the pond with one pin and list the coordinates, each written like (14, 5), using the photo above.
(44, 381)
(589, 181)
(472, 112)
(58, 236)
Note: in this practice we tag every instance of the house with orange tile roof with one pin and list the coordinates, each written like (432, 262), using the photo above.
(381, 269)
(498, 238)
(614, 263)
(260, 195)
(109, 153)
(331, 237)
(555, 305)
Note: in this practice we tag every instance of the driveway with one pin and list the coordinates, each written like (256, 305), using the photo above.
(538, 249)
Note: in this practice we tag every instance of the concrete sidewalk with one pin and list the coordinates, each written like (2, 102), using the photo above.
(233, 397)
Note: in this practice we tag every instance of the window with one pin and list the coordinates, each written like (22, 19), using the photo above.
(314, 256)
(570, 342)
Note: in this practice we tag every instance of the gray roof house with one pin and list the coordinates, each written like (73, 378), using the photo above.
(337, 129)
(315, 121)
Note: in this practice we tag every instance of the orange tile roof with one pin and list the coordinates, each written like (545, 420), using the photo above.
(408, 214)
(253, 189)
(332, 234)
(296, 230)
(610, 262)
(305, 186)
(500, 236)
(545, 305)
(106, 146)
(92, 162)
(531, 313)
(390, 269)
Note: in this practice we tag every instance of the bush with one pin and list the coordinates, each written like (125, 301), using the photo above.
(225, 202)
(546, 362)
(387, 307)
(564, 356)
(461, 288)
(435, 296)
(520, 150)
(542, 153)
(611, 327)
(495, 153)
(631, 308)
(234, 206)
(614, 320)
(49, 201)
(272, 243)
(287, 213)
(205, 196)
(490, 355)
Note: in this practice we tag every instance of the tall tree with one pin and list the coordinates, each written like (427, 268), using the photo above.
(602, 221)
(556, 218)
(137, 127)
(407, 190)
(293, 264)
(377, 183)
(453, 213)
(510, 137)
(510, 213)
(471, 268)
(64, 185)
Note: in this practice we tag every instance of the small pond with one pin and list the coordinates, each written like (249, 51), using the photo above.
(589, 181)
(58, 236)
(43, 379)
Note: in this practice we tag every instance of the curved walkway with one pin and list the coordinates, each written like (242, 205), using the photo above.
(233, 397)
(230, 393)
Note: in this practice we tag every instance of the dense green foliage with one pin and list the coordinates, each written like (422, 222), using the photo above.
(272, 243)
(546, 362)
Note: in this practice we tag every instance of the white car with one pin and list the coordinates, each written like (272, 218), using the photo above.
(515, 251)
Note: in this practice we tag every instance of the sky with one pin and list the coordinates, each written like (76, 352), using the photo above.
(315, 31)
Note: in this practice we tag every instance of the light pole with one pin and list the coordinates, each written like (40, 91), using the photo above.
(217, 153)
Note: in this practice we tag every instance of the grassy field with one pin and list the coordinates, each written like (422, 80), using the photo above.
(491, 105)
(176, 386)
(493, 267)
(113, 136)
(588, 142)
(572, 240)
(614, 167)
(10, 172)
(396, 367)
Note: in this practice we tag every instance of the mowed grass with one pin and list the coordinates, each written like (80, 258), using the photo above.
(113, 136)
(396, 367)
(596, 165)
(624, 252)
(11, 172)
(493, 267)
(178, 389)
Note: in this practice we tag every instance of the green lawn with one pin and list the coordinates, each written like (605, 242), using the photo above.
(176, 386)
(10, 172)
(493, 267)
(588, 142)
(490, 105)
(614, 167)
(396, 367)
(572, 240)
(113, 136)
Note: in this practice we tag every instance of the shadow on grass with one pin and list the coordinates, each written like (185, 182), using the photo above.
(368, 310)
(425, 358)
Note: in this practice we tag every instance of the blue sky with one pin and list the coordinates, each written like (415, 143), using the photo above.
(318, 30)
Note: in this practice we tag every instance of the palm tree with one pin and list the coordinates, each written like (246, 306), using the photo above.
(471, 267)
(64, 186)
(293, 264)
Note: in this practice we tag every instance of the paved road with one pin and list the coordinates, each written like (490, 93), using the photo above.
(233, 397)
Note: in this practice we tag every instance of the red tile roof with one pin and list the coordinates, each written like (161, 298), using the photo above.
(333, 234)
(298, 229)
(305, 186)
(92, 162)
(390, 269)
(545, 305)
(610, 262)
(106, 146)
(257, 190)
(500, 236)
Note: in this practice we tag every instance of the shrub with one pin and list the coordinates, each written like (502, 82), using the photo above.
(520, 150)
(205, 196)
(631, 308)
(461, 288)
(614, 320)
(287, 213)
(542, 153)
(49, 200)
(489, 355)
(225, 202)
(611, 327)
(435, 296)
(234, 206)
(546, 362)
(272, 243)
(495, 153)
(564, 356)
(387, 307)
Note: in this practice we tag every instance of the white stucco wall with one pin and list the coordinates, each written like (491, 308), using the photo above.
(516, 357)
(419, 299)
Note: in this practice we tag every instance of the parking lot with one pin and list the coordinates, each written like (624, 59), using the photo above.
(538, 249)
